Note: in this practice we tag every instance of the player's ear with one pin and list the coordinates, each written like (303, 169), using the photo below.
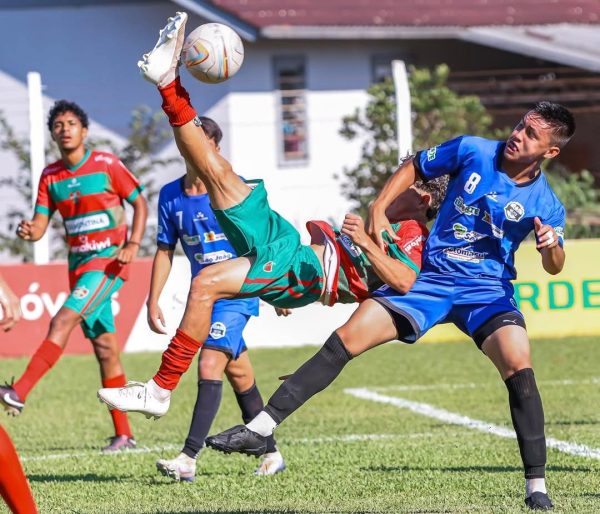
(84, 132)
(425, 200)
(552, 152)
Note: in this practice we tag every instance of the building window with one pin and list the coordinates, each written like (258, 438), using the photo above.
(290, 83)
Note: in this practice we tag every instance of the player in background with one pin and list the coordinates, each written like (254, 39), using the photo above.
(88, 188)
(13, 483)
(272, 263)
(496, 196)
(185, 215)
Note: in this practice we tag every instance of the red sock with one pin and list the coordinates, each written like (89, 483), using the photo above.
(43, 359)
(13, 483)
(176, 103)
(176, 359)
(120, 420)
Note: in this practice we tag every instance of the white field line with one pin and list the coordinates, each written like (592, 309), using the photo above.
(452, 418)
(349, 438)
(473, 385)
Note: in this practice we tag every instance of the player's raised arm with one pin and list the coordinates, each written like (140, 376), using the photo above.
(377, 222)
(391, 271)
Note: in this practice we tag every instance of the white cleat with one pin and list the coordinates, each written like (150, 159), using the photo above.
(135, 397)
(181, 468)
(271, 464)
(160, 66)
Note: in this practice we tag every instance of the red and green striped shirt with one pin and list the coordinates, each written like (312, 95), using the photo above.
(89, 197)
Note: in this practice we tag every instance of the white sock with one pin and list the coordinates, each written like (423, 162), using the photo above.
(158, 392)
(186, 458)
(534, 485)
(262, 424)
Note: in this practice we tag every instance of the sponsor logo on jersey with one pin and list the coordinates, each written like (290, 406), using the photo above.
(90, 246)
(211, 237)
(413, 243)
(218, 330)
(462, 232)
(350, 247)
(74, 183)
(80, 292)
(191, 240)
(469, 210)
(212, 257)
(431, 153)
(105, 158)
(514, 211)
(268, 267)
(496, 231)
(464, 254)
(492, 196)
(87, 223)
(200, 216)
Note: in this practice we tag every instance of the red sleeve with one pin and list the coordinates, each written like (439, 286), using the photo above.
(44, 203)
(412, 236)
(124, 183)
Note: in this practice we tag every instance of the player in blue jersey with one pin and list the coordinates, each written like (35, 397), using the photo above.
(496, 196)
(185, 215)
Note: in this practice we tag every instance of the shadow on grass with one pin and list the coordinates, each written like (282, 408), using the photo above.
(577, 422)
(88, 477)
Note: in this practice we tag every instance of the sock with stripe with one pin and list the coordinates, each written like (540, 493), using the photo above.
(119, 419)
(45, 357)
(176, 360)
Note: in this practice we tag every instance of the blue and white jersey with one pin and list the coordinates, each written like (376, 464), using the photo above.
(485, 215)
(190, 220)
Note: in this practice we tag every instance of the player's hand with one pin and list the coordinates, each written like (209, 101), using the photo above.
(377, 224)
(128, 253)
(282, 312)
(354, 228)
(156, 320)
(25, 229)
(545, 235)
(11, 310)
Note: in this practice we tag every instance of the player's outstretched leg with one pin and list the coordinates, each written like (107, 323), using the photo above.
(238, 439)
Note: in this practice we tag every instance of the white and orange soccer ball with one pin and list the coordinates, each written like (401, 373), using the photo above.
(213, 53)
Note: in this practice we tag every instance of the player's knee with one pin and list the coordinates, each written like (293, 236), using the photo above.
(209, 367)
(347, 341)
(63, 322)
(106, 352)
(203, 289)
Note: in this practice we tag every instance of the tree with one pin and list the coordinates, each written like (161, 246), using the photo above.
(438, 114)
(148, 132)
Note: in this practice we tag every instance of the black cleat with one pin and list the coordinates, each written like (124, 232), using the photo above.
(238, 439)
(10, 400)
(539, 501)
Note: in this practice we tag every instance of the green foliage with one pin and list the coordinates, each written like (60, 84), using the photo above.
(580, 197)
(147, 134)
(438, 114)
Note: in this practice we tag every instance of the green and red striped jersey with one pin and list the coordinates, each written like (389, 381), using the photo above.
(89, 196)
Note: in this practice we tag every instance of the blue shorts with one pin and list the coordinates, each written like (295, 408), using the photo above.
(435, 298)
(226, 327)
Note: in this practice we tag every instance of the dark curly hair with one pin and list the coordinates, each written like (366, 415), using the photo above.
(436, 189)
(211, 129)
(63, 106)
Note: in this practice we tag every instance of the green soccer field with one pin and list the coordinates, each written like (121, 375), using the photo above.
(403, 429)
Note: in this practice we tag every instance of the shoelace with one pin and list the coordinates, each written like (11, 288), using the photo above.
(129, 389)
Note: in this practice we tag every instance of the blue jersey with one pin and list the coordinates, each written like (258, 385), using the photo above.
(190, 220)
(485, 214)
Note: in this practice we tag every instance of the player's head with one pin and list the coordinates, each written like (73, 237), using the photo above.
(421, 201)
(541, 133)
(212, 130)
(68, 124)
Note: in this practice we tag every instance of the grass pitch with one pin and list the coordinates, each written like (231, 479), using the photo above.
(344, 454)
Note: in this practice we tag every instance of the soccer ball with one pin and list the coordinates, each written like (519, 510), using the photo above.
(213, 53)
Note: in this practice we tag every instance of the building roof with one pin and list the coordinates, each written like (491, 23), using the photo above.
(414, 13)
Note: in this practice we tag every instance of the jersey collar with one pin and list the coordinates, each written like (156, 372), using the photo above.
(75, 167)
